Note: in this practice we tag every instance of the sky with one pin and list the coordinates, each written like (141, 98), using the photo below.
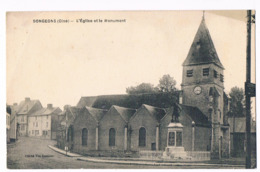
(59, 63)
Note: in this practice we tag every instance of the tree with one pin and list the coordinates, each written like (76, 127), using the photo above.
(141, 88)
(237, 102)
(167, 84)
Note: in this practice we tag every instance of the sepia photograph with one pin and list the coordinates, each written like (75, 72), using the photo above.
(144, 89)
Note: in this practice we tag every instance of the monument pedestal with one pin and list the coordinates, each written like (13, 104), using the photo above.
(174, 149)
(174, 153)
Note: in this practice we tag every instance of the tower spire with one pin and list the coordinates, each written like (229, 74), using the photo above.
(202, 50)
(203, 16)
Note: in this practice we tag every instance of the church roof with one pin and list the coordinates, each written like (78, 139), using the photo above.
(73, 111)
(125, 113)
(87, 101)
(155, 112)
(97, 114)
(70, 113)
(196, 115)
(202, 50)
(133, 101)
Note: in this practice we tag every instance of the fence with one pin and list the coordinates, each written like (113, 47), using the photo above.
(148, 154)
(199, 155)
(195, 155)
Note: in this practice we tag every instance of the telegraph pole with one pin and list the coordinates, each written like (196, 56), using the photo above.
(249, 91)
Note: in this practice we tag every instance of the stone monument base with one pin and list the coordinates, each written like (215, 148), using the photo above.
(177, 153)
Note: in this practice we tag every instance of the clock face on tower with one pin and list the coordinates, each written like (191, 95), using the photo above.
(197, 90)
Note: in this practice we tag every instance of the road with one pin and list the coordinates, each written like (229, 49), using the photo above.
(32, 153)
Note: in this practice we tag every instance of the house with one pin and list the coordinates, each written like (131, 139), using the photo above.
(21, 113)
(238, 136)
(44, 122)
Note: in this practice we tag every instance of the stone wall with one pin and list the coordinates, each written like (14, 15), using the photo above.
(202, 139)
(142, 118)
(111, 120)
(84, 120)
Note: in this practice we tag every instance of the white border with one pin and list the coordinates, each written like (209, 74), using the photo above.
(81, 5)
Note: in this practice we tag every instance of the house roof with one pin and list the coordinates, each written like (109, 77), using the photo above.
(125, 113)
(73, 111)
(196, 115)
(46, 111)
(155, 112)
(133, 101)
(240, 125)
(97, 114)
(69, 114)
(202, 50)
(25, 106)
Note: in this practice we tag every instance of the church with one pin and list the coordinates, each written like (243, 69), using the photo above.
(138, 123)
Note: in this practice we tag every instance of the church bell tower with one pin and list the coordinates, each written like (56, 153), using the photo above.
(203, 81)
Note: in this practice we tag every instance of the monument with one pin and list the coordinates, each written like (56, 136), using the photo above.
(175, 149)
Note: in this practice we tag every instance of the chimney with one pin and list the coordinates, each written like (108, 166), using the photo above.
(49, 106)
(27, 99)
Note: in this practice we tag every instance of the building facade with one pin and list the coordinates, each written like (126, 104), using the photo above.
(44, 122)
(144, 126)
(86, 129)
(238, 136)
(21, 113)
(115, 137)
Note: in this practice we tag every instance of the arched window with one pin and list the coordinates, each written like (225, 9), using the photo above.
(142, 136)
(112, 137)
(84, 136)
